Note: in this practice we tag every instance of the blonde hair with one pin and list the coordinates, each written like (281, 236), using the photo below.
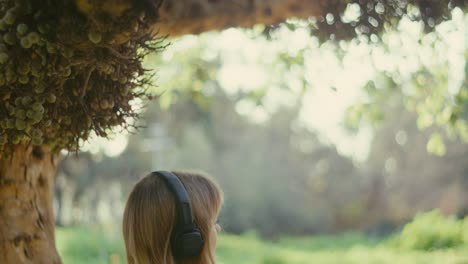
(149, 217)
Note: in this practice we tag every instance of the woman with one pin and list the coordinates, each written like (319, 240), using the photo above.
(158, 227)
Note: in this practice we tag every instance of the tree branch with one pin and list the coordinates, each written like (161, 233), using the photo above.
(180, 17)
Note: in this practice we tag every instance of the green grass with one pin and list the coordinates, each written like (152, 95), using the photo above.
(82, 245)
(87, 246)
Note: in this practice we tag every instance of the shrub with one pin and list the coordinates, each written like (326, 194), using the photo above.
(431, 230)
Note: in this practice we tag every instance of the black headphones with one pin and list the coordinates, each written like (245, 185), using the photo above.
(186, 238)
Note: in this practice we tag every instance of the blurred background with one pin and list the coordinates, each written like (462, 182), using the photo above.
(328, 151)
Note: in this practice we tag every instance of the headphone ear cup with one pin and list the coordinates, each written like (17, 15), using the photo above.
(188, 243)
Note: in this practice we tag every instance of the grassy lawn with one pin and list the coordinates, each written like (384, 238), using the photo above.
(81, 245)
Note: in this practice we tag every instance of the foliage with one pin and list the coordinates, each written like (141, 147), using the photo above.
(348, 19)
(59, 85)
(248, 249)
(66, 71)
(429, 85)
(69, 68)
(432, 230)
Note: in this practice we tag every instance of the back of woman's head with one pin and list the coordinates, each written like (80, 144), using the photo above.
(150, 215)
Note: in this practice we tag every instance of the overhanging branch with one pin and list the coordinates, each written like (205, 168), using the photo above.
(180, 17)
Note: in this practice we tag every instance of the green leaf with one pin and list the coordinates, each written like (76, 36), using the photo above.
(436, 145)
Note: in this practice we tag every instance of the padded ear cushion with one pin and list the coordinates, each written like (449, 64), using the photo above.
(187, 244)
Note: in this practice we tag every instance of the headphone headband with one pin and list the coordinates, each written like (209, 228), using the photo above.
(183, 205)
(186, 238)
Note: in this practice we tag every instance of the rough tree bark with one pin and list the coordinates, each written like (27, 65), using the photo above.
(180, 17)
(26, 213)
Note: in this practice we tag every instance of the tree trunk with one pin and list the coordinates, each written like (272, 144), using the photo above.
(26, 211)
(180, 17)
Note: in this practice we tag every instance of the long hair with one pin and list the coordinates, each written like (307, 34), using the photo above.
(150, 213)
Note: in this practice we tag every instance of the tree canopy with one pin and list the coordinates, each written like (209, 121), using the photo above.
(72, 68)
